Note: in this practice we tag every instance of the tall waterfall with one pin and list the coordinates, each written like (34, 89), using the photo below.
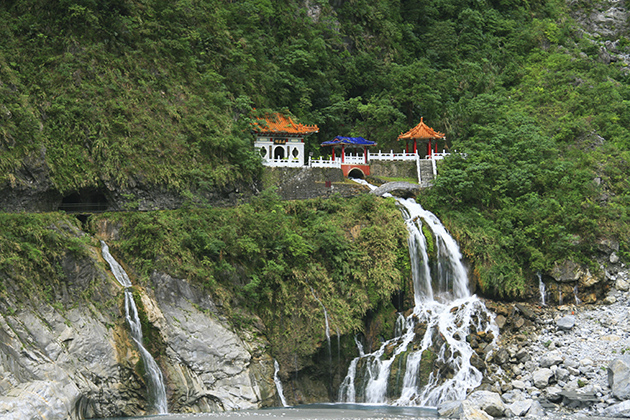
(157, 390)
(434, 333)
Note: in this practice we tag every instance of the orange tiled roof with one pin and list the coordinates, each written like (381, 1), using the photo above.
(278, 123)
(421, 131)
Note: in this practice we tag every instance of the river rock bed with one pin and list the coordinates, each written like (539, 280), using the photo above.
(561, 357)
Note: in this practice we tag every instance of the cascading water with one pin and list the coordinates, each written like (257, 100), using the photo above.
(157, 390)
(276, 380)
(541, 288)
(435, 333)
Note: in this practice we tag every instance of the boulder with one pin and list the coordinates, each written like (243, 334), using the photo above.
(501, 357)
(566, 322)
(567, 271)
(488, 401)
(551, 359)
(536, 410)
(541, 377)
(469, 411)
(518, 408)
(449, 409)
(618, 410)
(554, 393)
(518, 384)
(619, 377)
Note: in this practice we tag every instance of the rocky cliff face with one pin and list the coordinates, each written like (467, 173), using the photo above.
(68, 354)
(31, 188)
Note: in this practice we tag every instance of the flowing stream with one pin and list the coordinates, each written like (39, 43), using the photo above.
(433, 334)
(157, 390)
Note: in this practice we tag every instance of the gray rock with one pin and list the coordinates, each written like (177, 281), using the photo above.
(562, 374)
(518, 384)
(469, 411)
(567, 271)
(449, 409)
(551, 359)
(618, 410)
(619, 377)
(566, 322)
(622, 284)
(614, 258)
(536, 410)
(501, 357)
(541, 377)
(490, 402)
(573, 399)
(554, 393)
(609, 300)
(518, 408)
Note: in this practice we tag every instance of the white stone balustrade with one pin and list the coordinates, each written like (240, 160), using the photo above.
(293, 162)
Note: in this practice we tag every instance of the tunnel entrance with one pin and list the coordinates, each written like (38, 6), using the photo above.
(85, 201)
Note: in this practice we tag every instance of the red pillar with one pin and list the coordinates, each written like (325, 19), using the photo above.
(343, 153)
(415, 146)
(365, 154)
(333, 147)
(429, 148)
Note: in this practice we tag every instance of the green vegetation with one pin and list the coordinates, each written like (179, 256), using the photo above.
(278, 260)
(126, 91)
(32, 249)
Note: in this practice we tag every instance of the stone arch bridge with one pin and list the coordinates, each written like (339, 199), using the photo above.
(389, 187)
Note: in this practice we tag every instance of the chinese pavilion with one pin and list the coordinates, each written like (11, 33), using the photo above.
(423, 133)
(280, 141)
(352, 163)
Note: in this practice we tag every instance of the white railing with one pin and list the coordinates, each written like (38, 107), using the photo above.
(438, 156)
(351, 159)
(391, 156)
(293, 162)
(324, 163)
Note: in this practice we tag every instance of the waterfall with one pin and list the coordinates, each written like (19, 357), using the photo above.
(278, 383)
(541, 288)
(444, 306)
(157, 390)
(326, 324)
(575, 292)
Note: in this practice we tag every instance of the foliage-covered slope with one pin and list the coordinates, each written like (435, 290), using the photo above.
(161, 92)
(279, 261)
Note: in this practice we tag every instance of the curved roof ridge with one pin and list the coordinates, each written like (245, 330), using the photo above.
(278, 123)
(421, 131)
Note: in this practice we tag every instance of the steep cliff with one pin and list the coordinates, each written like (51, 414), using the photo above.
(66, 351)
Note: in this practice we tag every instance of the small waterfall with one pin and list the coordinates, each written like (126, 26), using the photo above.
(278, 383)
(157, 390)
(559, 295)
(327, 324)
(541, 288)
(443, 306)
(575, 292)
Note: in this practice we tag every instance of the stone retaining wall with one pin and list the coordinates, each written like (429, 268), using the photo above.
(305, 183)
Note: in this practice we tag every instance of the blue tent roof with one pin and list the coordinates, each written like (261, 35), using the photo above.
(354, 141)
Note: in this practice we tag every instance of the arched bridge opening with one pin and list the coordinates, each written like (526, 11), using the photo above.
(356, 173)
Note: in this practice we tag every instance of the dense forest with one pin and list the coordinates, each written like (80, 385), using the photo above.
(534, 99)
